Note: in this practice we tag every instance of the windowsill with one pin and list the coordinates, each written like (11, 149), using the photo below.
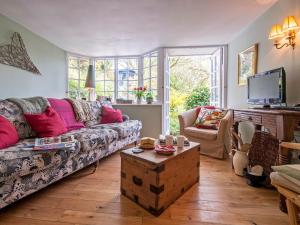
(142, 104)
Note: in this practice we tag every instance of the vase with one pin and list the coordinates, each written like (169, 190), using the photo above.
(138, 100)
(240, 162)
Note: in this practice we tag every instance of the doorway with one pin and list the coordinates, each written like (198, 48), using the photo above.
(194, 78)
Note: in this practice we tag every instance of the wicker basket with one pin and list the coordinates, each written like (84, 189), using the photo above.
(264, 152)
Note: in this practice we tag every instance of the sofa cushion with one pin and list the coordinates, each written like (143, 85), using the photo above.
(97, 110)
(91, 139)
(46, 124)
(15, 161)
(66, 113)
(201, 133)
(8, 133)
(124, 129)
(14, 114)
(110, 115)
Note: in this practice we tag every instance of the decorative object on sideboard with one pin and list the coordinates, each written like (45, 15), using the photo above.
(15, 54)
(90, 83)
(285, 35)
(247, 64)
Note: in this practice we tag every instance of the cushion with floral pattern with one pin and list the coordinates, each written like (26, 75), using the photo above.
(209, 118)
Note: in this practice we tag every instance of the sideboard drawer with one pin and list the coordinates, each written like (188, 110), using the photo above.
(241, 116)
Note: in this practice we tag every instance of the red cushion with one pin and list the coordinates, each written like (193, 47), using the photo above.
(46, 124)
(8, 133)
(66, 113)
(207, 107)
(110, 115)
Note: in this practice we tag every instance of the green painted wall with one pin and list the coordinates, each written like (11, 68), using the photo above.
(268, 56)
(49, 59)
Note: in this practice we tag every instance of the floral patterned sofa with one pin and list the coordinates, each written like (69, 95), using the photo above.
(23, 172)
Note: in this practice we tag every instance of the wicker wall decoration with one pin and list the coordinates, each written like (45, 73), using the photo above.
(15, 54)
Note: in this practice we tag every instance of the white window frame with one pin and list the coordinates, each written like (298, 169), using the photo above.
(78, 80)
(140, 70)
(150, 67)
(117, 74)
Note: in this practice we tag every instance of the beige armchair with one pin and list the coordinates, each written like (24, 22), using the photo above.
(215, 143)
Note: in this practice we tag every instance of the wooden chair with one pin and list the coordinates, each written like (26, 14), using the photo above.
(292, 198)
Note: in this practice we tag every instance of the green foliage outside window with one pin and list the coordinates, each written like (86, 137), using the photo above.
(199, 97)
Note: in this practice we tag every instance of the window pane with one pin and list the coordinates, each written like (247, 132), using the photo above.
(109, 85)
(99, 87)
(153, 83)
(83, 74)
(122, 64)
(132, 75)
(99, 75)
(122, 85)
(110, 75)
(83, 90)
(73, 62)
(110, 65)
(146, 61)
(131, 96)
(146, 73)
(147, 83)
(122, 95)
(123, 74)
(154, 71)
(73, 88)
(132, 85)
(132, 64)
(73, 73)
(153, 61)
(99, 65)
(154, 94)
(110, 94)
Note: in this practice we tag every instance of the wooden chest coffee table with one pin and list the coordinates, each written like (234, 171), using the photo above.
(155, 181)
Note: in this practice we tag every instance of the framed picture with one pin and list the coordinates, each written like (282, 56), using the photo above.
(247, 64)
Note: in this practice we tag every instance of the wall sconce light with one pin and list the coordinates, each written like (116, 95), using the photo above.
(287, 31)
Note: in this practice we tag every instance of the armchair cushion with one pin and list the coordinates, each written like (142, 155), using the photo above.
(209, 118)
(201, 133)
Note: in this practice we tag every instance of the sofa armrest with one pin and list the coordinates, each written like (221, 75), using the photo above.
(125, 117)
(187, 119)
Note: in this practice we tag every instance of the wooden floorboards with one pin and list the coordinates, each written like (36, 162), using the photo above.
(221, 197)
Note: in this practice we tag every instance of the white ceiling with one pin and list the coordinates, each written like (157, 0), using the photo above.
(131, 27)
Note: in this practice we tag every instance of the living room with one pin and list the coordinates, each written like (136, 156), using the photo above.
(149, 112)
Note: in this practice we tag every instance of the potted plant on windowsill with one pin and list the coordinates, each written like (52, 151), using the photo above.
(149, 97)
(139, 93)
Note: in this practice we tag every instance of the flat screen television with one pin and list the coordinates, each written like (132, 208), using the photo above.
(267, 88)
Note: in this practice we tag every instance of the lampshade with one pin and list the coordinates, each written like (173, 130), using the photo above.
(90, 79)
(289, 24)
(275, 32)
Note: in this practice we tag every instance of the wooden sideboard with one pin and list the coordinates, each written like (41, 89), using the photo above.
(280, 123)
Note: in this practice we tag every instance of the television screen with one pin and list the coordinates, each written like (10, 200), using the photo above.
(267, 87)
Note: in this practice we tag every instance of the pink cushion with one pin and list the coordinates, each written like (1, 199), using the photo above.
(110, 115)
(8, 133)
(66, 113)
(46, 124)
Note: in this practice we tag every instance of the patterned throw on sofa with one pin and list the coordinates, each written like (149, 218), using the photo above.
(23, 172)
